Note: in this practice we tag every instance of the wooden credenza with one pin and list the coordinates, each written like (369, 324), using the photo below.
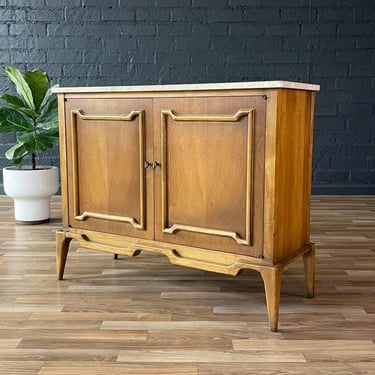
(213, 176)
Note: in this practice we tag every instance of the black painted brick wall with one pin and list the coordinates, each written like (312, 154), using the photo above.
(122, 42)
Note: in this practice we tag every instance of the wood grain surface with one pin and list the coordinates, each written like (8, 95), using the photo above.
(143, 315)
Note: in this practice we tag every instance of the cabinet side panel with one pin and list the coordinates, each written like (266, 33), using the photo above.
(293, 171)
(269, 176)
(63, 164)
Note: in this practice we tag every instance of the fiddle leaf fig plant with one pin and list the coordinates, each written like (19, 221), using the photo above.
(31, 114)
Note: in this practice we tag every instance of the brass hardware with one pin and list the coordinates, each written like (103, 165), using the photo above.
(154, 164)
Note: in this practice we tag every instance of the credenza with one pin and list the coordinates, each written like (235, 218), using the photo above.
(213, 176)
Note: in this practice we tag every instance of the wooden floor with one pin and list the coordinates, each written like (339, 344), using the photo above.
(144, 316)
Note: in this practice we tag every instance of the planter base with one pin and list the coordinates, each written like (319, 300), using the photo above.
(31, 211)
(34, 222)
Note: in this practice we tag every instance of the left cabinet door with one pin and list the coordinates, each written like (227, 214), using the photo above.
(108, 141)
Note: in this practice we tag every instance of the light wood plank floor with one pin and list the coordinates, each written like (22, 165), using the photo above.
(144, 316)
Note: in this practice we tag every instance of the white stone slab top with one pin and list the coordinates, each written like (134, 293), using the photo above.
(191, 87)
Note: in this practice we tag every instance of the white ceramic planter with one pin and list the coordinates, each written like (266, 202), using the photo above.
(31, 191)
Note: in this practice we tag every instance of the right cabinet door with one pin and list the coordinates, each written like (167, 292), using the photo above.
(209, 187)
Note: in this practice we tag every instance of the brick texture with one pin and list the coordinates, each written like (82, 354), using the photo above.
(124, 42)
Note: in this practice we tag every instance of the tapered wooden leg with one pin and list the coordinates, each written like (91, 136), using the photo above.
(309, 266)
(62, 248)
(272, 284)
(115, 256)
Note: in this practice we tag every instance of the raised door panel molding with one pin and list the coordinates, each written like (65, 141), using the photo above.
(169, 173)
(78, 116)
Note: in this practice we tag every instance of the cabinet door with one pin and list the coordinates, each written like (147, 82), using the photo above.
(209, 187)
(107, 145)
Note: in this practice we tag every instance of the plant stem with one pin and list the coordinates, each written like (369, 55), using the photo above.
(33, 161)
(33, 156)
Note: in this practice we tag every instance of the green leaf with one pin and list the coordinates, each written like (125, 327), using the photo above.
(22, 86)
(13, 101)
(49, 96)
(51, 123)
(36, 142)
(28, 112)
(16, 153)
(54, 134)
(48, 108)
(38, 82)
(13, 121)
(16, 103)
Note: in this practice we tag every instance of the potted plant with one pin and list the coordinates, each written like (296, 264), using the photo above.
(33, 117)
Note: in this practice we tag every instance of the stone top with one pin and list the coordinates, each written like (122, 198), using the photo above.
(192, 87)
